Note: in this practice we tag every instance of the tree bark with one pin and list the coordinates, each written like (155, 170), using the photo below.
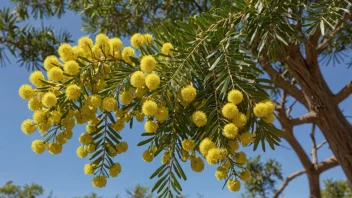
(314, 185)
(329, 118)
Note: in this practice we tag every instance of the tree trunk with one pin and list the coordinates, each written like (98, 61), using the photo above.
(337, 132)
(320, 100)
(314, 185)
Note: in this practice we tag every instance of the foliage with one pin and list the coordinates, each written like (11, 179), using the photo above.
(265, 176)
(101, 85)
(27, 43)
(11, 190)
(336, 189)
(139, 192)
(129, 16)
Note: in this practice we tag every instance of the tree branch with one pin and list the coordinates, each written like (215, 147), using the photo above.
(343, 93)
(321, 144)
(281, 82)
(287, 180)
(314, 146)
(326, 164)
(325, 41)
(307, 118)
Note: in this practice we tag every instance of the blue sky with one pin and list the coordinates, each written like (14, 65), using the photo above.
(64, 175)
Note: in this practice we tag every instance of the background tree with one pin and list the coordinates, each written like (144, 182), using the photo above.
(336, 189)
(10, 190)
(265, 176)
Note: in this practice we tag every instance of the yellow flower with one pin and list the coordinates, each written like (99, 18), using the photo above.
(71, 67)
(165, 158)
(234, 146)
(150, 126)
(88, 169)
(137, 40)
(55, 74)
(68, 134)
(188, 93)
(197, 164)
(99, 181)
(220, 173)
(115, 45)
(149, 108)
(241, 158)
(49, 99)
(60, 138)
(139, 93)
(38, 146)
(148, 38)
(51, 62)
(26, 92)
(230, 131)
(119, 113)
(34, 104)
(205, 146)
(97, 51)
(240, 120)
(109, 104)
(77, 51)
(85, 138)
(270, 106)
(229, 110)
(126, 53)
(66, 52)
(102, 41)
(137, 79)
(152, 81)
(81, 152)
(121, 147)
(86, 44)
(270, 118)
(39, 117)
(91, 148)
(119, 125)
(126, 98)
(55, 148)
(43, 127)
(199, 118)
(233, 185)
(162, 114)
(245, 175)
(140, 116)
(184, 155)
(235, 97)
(148, 64)
(115, 169)
(147, 156)
(94, 101)
(36, 78)
(213, 156)
(246, 138)
(73, 92)
(188, 145)
(166, 49)
(260, 110)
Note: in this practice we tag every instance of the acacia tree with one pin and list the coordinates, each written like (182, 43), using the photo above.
(275, 33)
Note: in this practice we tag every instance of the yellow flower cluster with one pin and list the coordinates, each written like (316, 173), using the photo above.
(105, 85)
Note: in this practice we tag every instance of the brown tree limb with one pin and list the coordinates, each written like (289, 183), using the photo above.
(304, 119)
(314, 146)
(281, 82)
(325, 41)
(343, 93)
(325, 165)
(321, 144)
(287, 180)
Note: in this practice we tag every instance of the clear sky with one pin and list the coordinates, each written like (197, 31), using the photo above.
(64, 175)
